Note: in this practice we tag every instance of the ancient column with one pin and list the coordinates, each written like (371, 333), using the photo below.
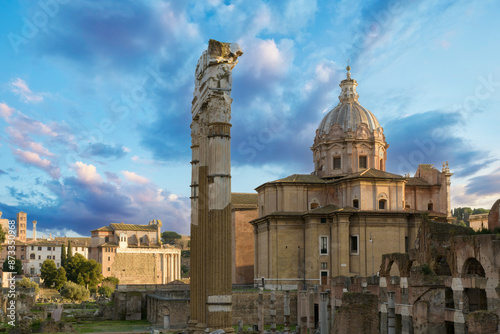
(286, 311)
(323, 309)
(272, 311)
(211, 179)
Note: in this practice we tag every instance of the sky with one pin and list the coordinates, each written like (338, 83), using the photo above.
(95, 98)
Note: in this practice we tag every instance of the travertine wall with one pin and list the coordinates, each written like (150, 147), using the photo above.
(243, 245)
(358, 314)
(135, 268)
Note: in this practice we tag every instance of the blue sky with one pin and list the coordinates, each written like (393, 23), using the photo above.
(95, 97)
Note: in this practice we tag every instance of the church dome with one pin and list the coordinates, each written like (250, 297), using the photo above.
(348, 114)
(349, 139)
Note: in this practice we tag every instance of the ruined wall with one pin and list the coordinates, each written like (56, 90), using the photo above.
(494, 216)
(245, 307)
(135, 268)
(358, 314)
(482, 322)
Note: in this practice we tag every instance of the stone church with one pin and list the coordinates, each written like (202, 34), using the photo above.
(341, 218)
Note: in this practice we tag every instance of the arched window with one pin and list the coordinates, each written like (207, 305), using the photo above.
(32, 256)
(382, 204)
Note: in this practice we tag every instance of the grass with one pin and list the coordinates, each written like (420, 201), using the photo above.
(138, 326)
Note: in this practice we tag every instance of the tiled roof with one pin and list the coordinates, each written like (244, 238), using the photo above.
(244, 198)
(109, 244)
(132, 227)
(374, 173)
(302, 178)
(324, 209)
(75, 241)
(416, 181)
(104, 228)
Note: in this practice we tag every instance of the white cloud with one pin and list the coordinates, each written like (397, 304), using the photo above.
(5, 110)
(19, 87)
(173, 197)
(133, 177)
(265, 59)
(32, 158)
(87, 173)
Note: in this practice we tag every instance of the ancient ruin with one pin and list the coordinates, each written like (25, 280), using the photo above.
(211, 189)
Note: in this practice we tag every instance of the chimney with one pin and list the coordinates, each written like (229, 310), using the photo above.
(34, 230)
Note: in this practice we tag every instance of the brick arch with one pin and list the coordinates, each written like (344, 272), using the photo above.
(402, 260)
(473, 267)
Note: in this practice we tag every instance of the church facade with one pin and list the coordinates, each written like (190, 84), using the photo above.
(341, 218)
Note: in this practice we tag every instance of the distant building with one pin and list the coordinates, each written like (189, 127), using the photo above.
(134, 254)
(478, 221)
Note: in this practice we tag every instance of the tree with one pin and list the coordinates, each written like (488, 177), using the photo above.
(27, 283)
(60, 278)
(70, 250)
(105, 291)
(74, 291)
(63, 255)
(479, 210)
(48, 273)
(170, 237)
(2, 237)
(84, 272)
(13, 265)
(110, 282)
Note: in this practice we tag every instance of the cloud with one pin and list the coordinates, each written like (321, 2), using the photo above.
(19, 87)
(2, 172)
(33, 159)
(107, 151)
(112, 177)
(133, 177)
(484, 185)
(431, 137)
(87, 174)
(5, 111)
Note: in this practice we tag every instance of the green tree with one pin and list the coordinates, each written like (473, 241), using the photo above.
(2, 237)
(111, 282)
(105, 291)
(27, 283)
(48, 273)
(63, 255)
(60, 278)
(170, 238)
(479, 210)
(84, 272)
(74, 291)
(70, 250)
(13, 265)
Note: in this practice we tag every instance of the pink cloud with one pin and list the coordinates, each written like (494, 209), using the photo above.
(5, 110)
(133, 177)
(87, 173)
(33, 159)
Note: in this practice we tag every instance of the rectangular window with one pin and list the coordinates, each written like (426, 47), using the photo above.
(337, 163)
(407, 245)
(48, 257)
(323, 220)
(109, 269)
(354, 244)
(362, 161)
(32, 247)
(109, 258)
(323, 245)
(40, 248)
(324, 265)
(48, 248)
(39, 257)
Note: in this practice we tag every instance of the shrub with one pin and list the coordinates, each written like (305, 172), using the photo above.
(27, 283)
(105, 291)
(74, 291)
